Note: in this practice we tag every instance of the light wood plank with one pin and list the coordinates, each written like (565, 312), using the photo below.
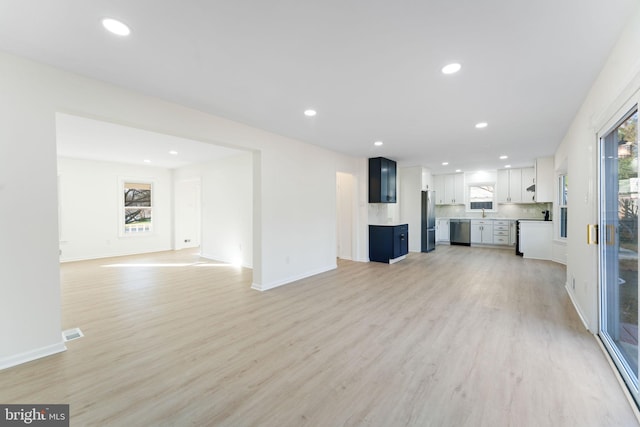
(460, 336)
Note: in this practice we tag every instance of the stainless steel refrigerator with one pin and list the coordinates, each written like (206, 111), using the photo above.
(428, 223)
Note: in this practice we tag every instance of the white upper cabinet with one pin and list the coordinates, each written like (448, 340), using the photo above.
(545, 179)
(513, 184)
(449, 189)
(509, 186)
(528, 181)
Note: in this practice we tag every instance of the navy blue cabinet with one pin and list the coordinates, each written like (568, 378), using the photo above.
(382, 180)
(387, 243)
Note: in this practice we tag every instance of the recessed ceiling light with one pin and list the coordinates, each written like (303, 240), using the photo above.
(458, 170)
(116, 27)
(445, 163)
(377, 143)
(481, 125)
(173, 152)
(507, 166)
(451, 68)
(504, 157)
(310, 113)
(147, 161)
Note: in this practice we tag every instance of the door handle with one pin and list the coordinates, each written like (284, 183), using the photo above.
(611, 235)
(592, 234)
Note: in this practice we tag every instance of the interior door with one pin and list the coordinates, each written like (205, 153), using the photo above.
(618, 242)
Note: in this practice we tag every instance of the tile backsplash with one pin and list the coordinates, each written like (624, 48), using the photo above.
(515, 211)
(384, 213)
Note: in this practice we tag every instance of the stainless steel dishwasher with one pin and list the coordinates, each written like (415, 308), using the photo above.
(460, 232)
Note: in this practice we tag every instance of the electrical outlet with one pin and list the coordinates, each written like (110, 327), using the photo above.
(187, 240)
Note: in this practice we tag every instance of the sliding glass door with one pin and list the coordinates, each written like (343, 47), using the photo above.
(618, 242)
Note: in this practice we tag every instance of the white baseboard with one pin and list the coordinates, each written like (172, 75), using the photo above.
(577, 307)
(113, 255)
(28, 356)
(267, 286)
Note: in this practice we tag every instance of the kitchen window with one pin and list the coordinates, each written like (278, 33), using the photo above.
(562, 204)
(137, 208)
(482, 197)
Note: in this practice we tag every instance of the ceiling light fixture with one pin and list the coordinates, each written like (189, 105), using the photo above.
(116, 27)
(451, 68)
(504, 157)
(310, 113)
(173, 152)
(377, 143)
(458, 170)
(482, 125)
(445, 163)
(147, 161)
(507, 166)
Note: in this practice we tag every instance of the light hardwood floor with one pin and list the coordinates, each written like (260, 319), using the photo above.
(457, 337)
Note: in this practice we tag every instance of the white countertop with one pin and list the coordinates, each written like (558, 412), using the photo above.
(493, 218)
(392, 224)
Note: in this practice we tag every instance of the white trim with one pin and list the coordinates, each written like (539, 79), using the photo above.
(267, 286)
(625, 99)
(394, 260)
(577, 307)
(28, 356)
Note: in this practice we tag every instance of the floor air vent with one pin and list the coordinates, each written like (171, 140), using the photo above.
(72, 334)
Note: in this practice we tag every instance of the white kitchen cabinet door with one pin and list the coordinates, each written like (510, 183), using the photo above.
(502, 190)
(528, 179)
(482, 232)
(449, 189)
(438, 184)
(442, 230)
(509, 186)
(458, 189)
(515, 186)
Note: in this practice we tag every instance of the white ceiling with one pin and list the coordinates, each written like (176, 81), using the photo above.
(83, 138)
(371, 68)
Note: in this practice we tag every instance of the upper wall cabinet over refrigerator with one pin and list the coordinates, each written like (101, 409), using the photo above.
(382, 180)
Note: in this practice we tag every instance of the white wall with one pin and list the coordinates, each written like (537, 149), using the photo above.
(619, 78)
(410, 189)
(29, 266)
(187, 208)
(346, 215)
(227, 207)
(90, 202)
(294, 198)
